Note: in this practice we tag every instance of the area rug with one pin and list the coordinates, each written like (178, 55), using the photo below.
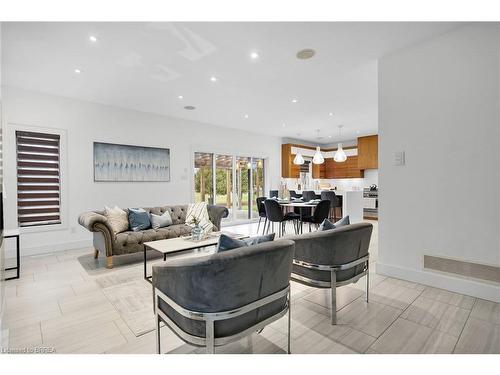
(132, 297)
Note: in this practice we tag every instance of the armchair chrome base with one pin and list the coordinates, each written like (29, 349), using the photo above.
(333, 284)
(210, 341)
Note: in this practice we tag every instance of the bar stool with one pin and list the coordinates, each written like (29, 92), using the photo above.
(334, 203)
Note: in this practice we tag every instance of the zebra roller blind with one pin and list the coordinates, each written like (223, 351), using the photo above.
(38, 178)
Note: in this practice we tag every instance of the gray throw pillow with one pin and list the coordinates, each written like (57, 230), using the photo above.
(260, 239)
(138, 219)
(161, 221)
(344, 221)
(327, 224)
(229, 243)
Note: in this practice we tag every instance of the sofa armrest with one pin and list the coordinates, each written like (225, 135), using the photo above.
(216, 214)
(89, 219)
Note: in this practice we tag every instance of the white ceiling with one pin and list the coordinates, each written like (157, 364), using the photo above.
(146, 66)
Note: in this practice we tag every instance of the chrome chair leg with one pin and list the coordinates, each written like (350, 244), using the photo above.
(209, 336)
(367, 280)
(289, 351)
(334, 297)
(158, 338)
(258, 225)
(264, 229)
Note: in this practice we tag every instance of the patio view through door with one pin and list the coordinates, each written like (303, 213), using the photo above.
(236, 183)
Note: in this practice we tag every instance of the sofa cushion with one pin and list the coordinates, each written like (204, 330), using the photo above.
(138, 219)
(130, 241)
(160, 221)
(117, 219)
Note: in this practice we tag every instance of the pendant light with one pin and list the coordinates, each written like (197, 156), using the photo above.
(298, 160)
(340, 155)
(318, 156)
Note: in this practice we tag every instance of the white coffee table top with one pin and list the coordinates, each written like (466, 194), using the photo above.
(172, 245)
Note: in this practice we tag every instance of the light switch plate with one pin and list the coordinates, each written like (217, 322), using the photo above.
(399, 158)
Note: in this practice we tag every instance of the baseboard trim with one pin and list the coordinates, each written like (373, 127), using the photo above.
(47, 249)
(465, 286)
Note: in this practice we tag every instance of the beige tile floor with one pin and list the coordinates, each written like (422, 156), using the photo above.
(58, 304)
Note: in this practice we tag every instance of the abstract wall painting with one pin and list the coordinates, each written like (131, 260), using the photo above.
(124, 163)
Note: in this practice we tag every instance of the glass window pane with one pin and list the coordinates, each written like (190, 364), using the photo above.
(203, 177)
(257, 183)
(243, 168)
(224, 182)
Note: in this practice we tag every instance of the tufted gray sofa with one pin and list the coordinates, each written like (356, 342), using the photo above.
(128, 242)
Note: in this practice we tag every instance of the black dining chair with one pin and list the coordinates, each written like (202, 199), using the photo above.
(262, 213)
(274, 214)
(321, 213)
(273, 194)
(308, 195)
(335, 202)
(293, 194)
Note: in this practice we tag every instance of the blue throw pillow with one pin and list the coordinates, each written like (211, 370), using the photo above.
(327, 224)
(138, 219)
(229, 243)
(260, 239)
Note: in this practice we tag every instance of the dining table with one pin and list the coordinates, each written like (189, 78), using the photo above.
(301, 205)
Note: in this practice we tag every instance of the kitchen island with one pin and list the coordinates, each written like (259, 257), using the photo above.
(352, 203)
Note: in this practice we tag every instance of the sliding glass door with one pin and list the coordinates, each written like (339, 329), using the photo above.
(231, 181)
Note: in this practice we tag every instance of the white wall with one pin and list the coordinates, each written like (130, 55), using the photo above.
(83, 123)
(439, 102)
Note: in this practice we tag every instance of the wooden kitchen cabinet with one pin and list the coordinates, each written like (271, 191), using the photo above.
(368, 152)
(347, 169)
(288, 169)
(318, 170)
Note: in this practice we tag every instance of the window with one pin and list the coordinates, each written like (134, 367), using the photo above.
(231, 181)
(38, 178)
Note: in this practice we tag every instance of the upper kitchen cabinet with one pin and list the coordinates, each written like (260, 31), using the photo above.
(288, 169)
(368, 152)
(347, 169)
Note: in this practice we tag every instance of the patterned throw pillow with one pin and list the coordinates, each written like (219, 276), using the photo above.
(117, 218)
(200, 212)
(161, 221)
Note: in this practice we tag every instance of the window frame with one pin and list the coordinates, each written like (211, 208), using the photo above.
(63, 186)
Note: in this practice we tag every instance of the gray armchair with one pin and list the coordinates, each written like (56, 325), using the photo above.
(215, 299)
(332, 258)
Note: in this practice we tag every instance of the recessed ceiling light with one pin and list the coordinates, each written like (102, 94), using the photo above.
(329, 136)
(93, 38)
(283, 125)
(306, 54)
(254, 55)
(295, 100)
(190, 107)
(245, 116)
(330, 114)
(180, 97)
(78, 71)
(213, 79)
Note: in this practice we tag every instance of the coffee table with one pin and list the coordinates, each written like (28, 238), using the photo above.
(176, 245)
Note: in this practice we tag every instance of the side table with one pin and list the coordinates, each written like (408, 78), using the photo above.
(14, 233)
